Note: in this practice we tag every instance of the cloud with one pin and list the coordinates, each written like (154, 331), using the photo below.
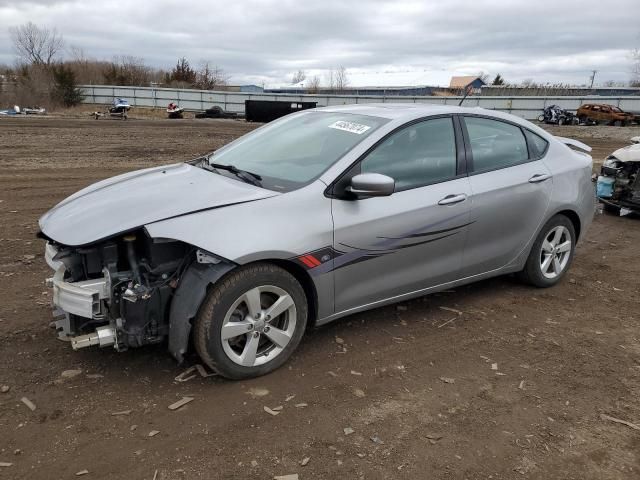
(264, 40)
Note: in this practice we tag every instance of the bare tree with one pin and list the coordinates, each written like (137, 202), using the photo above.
(210, 77)
(483, 76)
(635, 68)
(298, 77)
(341, 79)
(313, 84)
(36, 45)
(77, 54)
(127, 70)
(331, 80)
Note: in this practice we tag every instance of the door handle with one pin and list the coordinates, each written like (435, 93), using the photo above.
(539, 177)
(451, 199)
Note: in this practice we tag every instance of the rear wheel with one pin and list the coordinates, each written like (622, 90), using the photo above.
(251, 321)
(551, 254)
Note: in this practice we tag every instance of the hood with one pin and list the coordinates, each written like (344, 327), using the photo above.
(630, 153)
(129, 201)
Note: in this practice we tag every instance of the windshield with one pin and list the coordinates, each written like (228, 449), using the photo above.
(292, 152)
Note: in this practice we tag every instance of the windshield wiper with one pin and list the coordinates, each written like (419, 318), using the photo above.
(248, 177)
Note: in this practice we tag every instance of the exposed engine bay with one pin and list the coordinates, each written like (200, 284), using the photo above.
(618, 185)
(116, 293)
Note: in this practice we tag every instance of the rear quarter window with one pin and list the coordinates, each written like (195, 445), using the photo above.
(537, 145)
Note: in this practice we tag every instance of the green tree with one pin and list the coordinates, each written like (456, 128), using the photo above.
(183, 72)
(65, 89)
(498, 80)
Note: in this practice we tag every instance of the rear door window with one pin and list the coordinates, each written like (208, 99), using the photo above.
(495, 144)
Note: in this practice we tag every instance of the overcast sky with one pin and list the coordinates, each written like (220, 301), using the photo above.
(265, 41)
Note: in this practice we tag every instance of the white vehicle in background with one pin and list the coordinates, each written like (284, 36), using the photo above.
(618, 185)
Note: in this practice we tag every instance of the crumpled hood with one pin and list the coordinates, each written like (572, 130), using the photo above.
(630, 153)
(128, 201)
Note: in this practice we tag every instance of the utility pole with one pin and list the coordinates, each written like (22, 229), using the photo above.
(593, 77)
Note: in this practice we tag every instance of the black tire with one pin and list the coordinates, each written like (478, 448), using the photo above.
(532, 272)
(612, 209)
(219, 300)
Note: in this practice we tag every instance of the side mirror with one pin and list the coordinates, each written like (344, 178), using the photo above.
(635, 139)
(372, 185)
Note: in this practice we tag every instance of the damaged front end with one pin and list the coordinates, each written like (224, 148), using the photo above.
(618, 185)
(117, 292)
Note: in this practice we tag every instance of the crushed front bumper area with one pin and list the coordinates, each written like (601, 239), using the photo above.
(80, 298)
(83, 299)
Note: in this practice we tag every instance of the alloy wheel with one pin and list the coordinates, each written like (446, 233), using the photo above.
(258, 326)
(555, 252)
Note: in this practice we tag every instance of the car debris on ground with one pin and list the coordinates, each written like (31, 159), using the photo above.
(189, 374)
(604, 416)
(120, 413)
(28, 403)
(180, 403)
(71, 373)
(272, 411)
(256, 392)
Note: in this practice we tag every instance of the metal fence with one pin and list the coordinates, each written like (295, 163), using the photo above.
(197, 100)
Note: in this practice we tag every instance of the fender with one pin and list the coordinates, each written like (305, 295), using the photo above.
(187, 300)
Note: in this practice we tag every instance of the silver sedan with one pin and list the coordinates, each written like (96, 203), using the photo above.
(313, 217)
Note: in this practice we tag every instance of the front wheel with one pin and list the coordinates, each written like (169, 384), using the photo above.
(551, 254)
(251, 321)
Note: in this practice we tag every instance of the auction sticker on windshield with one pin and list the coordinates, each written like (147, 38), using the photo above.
(352, 127)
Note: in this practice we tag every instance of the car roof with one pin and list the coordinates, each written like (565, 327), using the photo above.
(411, 111)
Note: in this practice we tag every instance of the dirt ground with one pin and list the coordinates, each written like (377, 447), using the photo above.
(512, 387)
